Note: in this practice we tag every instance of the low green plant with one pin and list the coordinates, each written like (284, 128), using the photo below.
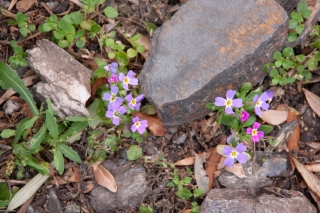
(297, 18)
(19, 56)
(22, 21)
(145, 209)
(89, 6)
(6, 195)
(183, 192)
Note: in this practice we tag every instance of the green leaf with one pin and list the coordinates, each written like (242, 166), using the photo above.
(150, 109)
(42, 167)
(4, 195)
(95, 28)
(35, 142)
(293, 23)
(140, 48)
(97, 111)
(32, 27)
(77, 17)
(111, 141)
(287, 52)
(145, 209)
(69, 152)
(273, 73)
(227, 120)
(66, 27)
(150, 26)
(184, 193)
(299, 29)
(20, 129)
(122, 58)
(131, 53)
(75, 128)
(53, 18)
(300, 58)
(292, 36)
(246, 87)
(111, 54)
(110, 12)
(24, 31)
(58, 161)
(29, 124)
(58, 34)
(277, 55)
(87, 24)
(312, 63)
(81, 42)
(76, 118)
(305, 12)
(7, 133)
(70, 38)
(134, 152)
(187, 180)
(315, 44)
(10, 79)
(108, 42)
(51, 121)
(266, 129)
(250, 121)
(63, 43)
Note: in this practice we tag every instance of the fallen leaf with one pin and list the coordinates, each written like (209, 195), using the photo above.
(200, 174)
(72, 174)
(313, 100)
(274, 117)
(186, 211)
(293, 142)
(236, 169)
(104, 177)
(314, 145)
(285, 107)
(313, 167)
(190, 160)
(315, 198)
(154, 123)
(95, 86)
(312, 181)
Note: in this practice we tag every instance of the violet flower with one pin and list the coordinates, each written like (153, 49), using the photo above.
(139, 125)
(260, 102)
(113, 79)
(112, 97)
(256, 135)
(229, 102)
(233, 154)
(233, 135)
(112, 67)
(115, 111)
(134, 103)
(128, 79)
(270, 95)
(244, 116)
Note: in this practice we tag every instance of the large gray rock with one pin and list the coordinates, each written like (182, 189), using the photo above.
(208, 47)
(243, 200)
(131, 184)
(63, 79)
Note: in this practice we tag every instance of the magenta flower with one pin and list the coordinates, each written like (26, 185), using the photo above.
(128, 79)
(260, 102)
(115, 111)
(113, 79)
(134, 103)
(244, 116)
(112, 97)
(139, 125)
(229, 102)
(233, 154)
(270, 95)
(112, 67)
(256, 135)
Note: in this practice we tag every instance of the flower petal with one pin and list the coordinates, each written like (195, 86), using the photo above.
(241, 148)
(140, 97)
(256, 125)
(135, 119)
(230, 94)
(237, 103)
(116, 121)
(106, 96)
(227, 150)
(121, 77)
(249, 131)
(129, 97)
(255, 138)
(131, 74)
(125, 86)
(220, 101)
(131, 106)
(133, 128)
(257, 110)
(229, 110)
(144, 123)
(134, 81)
(122, 110)
(114, 89)
(242, 158)
(260, 134)
(255, 98)
(109, 114)
(264, 105)
(264, 96)
(229, 139)
(229, 162)
(141, 130)
(138, 106)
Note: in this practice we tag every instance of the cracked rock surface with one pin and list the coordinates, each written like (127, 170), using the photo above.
(63, 79)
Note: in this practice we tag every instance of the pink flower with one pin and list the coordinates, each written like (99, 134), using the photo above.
(139, 125)
(256, 135)
(244, 116)
(113, 78)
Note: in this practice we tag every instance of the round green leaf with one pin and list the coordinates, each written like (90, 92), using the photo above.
(300, 28)
(287, 52)
(24, 31)
(134, 152)
(7, 133)
(300, 58)
(293, 23)
(32, 27)
(184, 193)
(141, 48)
(81, 42)
(63, 43)
(273, 73)
(312, 63)
(111, 54)
(277, 55)
(77, 17)
(122, 58)
(58, 34)
(293, 15)
(110, 12)
(306, 12)
(317, 56)
(47, 27)
(292, 36)
(131, 53)
(70, 38)
(108, 42)
(278, 63)
(95, 28)
(274, 81)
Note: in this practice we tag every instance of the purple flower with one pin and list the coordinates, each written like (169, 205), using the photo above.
(112, 97)
(233, 135)
(115, 111)
(128, 79)
(244, 116)
(260, 102)
(256, 135)
(112, 67)
(229, 102)
(235, 153)
(134, 102)
(139, 125)
(270, 95)
(113, 78)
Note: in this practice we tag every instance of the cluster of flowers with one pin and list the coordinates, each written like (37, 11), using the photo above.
(260, 103)
(115, 103)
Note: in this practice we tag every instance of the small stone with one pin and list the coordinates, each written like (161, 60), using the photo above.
(54, 204)
(52, 5)
(72, 207)
(255, 177)
(276, 166)
(131, 183)
(243, 200)
(229, 44)
(63, 79)
(179, 139)
(173, 129)
(24, 5)
(10, 107)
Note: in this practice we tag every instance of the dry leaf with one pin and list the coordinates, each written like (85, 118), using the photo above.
(104, 177)
(293, 142)
(236, 169)
(190, 160)
(274, 117)
(95, 86)
(314, 145)
(315, 198)
(72, 174)
(285, 107)
(200, 174)
(154, 123)
(312, 181)
(313, 167)
(313, 100)
(186, 211)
